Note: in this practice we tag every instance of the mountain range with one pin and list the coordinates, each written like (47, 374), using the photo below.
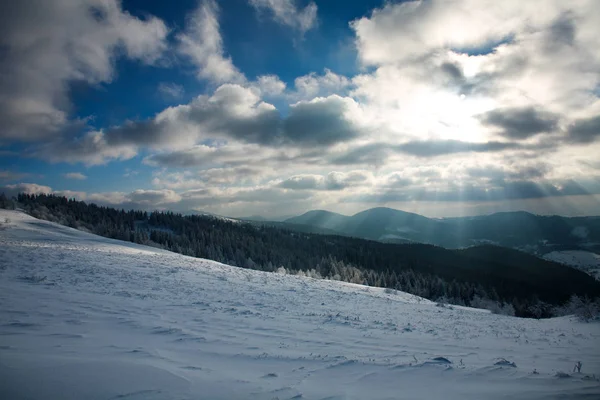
(523, 230)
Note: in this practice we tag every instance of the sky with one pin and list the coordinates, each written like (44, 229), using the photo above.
(277, 107)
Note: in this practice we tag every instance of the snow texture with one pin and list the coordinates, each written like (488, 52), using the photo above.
(84, 317)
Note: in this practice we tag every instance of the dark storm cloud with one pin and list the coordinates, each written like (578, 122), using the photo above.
(320, 122)
(520, 122)
(585, 130)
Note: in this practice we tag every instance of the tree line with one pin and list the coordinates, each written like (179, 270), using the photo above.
(521, 285)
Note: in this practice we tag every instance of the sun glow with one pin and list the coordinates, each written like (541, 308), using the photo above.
(453, 116)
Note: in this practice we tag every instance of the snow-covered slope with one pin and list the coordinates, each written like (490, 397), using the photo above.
(83, 317)
(584, 260)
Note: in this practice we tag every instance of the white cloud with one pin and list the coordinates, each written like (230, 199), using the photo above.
(170, 90)
(413, 29)
(233, 113)
(90, 149)
(477, 71)
(29, 188)
(202, 44)
(453, 88)
(47, 45)
(313, 85)
(286, 12)
(129, 173)
(270, 85)
(332, 181)
(75, 175)
(153, 197)
(210, 177)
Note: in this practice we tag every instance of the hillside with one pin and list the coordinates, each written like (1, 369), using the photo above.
(423, 270)
(322, 219)
(586, 261)
(88, 317)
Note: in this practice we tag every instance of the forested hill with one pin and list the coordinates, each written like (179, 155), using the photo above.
(505, 277)
(509, 229)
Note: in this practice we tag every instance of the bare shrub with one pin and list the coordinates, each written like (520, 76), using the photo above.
(584, 308)
(494, 306)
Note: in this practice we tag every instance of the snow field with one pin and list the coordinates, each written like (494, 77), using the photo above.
(87, 317)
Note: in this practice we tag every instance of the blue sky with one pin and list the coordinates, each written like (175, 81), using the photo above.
(275, 107)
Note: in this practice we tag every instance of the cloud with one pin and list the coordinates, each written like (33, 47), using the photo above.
(508, 190)
(154, 197)
(170, 90)
(222, 176)
(48, 45)
(313, 85)
(511, 172)
(270, 85)
(342, 180)
(322, 121)
(562, 31)
(130, 173)
(91, 149)
(201, 43)
(440, 66)
(286, 12)
(521, 122)
(302, 182)
(377, 153)
(478, 92)
(206, 156)
(433, 148)
(75, 175)
(453, 70)
(8, 176)
(29, 188)
(361, 188)
(137, 199)
(585, 130)
(368, 154)
(332, 181)
(233, 113)
(398, 180)
(410, 30)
